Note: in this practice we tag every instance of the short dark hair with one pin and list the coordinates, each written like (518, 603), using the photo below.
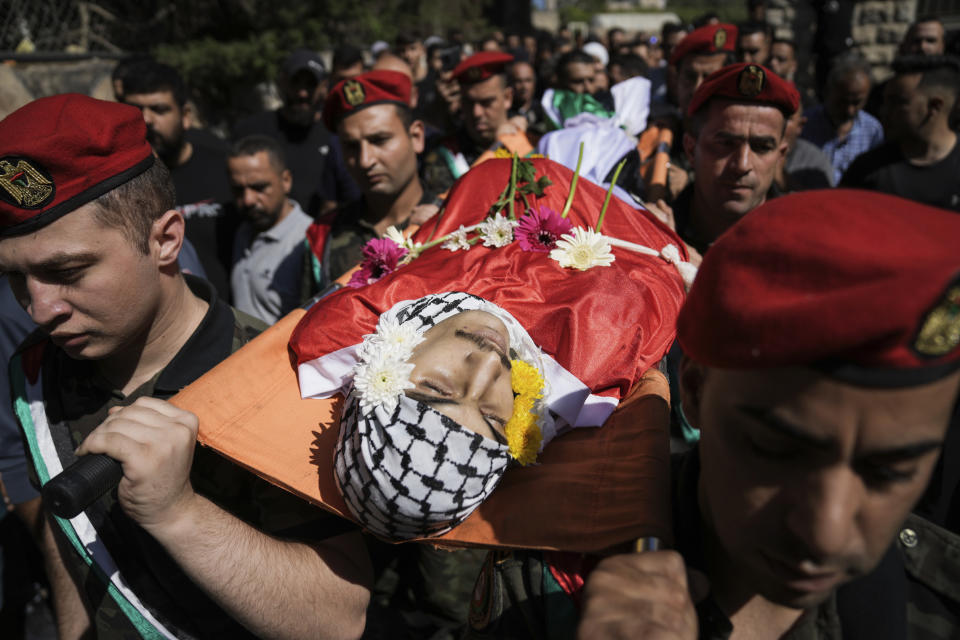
(136, 204)
(572, 57)
(631, 65)
(345, 56)
(409, 37)
(937, 71)
(256, 143)
(750, 27)
(845, 66)
(670, 28)
(405, 113)
(150, 76)
(790, 43)
(927, 17)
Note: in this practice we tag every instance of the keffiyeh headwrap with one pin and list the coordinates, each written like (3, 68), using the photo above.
(405, 470)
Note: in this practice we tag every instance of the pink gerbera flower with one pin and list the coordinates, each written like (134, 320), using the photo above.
(380, 257)
(540, 229)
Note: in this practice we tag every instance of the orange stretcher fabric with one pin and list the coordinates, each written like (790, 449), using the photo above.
(594, 488)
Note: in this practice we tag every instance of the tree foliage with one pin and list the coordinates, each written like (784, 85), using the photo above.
(225, 47)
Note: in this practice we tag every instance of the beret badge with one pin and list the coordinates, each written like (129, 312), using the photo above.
(751, 81)
(353, 93)
(940, 332)
(24, 185)
(719, 39)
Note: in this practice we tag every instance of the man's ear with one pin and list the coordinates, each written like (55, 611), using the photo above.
(935, 105)
(689, 146)
(286, 179)
(692, 377)
(166, 237)
(417, 135)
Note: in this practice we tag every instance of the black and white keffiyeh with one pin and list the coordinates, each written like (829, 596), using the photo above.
(404, 469)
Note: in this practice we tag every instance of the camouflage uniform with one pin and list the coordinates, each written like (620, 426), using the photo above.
(913, 593)
(77, 399)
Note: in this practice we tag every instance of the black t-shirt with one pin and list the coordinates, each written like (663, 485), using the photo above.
(203, 187)
(885, 169)
(306, 149)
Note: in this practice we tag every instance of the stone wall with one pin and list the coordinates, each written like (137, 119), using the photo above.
(878, 27)
(25, 81)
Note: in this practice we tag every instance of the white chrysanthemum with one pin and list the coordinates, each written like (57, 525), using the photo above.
(583, 249)
(392, 233)
(457, 240)
(397, 340)
(496, 231)
(380, 381)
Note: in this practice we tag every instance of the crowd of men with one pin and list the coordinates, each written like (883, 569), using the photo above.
(145, 250)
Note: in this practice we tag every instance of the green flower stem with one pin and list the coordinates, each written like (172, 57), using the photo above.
(526, 203)
(442, 239)
(573, 184)
(513, 185)
(606, 201)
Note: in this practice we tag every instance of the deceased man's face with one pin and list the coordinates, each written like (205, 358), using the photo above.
(462, 369)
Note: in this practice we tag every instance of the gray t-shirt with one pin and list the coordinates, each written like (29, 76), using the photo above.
(808, 168)
(267, 267)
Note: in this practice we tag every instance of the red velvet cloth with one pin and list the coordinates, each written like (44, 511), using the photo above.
(606, 325)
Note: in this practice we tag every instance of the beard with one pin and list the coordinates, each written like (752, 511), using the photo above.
(167, 148)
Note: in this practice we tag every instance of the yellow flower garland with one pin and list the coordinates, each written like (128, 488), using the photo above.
(523, 432)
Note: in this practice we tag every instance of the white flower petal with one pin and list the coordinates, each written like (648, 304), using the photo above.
(496, 231)
(582, 249)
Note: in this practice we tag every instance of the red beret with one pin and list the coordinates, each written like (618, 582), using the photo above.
(863, 285)
(365, 90)
(481, 66)
(745, 82)
(713, 38)
(61, 152)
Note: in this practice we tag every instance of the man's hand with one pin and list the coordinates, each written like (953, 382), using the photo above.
(677, 180)
(640, 595)
(154, 441)
(663, 213)
(516, 124)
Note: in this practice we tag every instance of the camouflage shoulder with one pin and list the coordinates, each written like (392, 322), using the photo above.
(245, 328)
(932, 559)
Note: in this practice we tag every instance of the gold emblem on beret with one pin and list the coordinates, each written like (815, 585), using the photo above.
(23, 184)
(751, 81)
(940, 332)
(719, 39)
(353, 93)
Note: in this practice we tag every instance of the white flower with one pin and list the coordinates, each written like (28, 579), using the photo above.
(457, 240)
(397, 339)
(392, 233)
(413, 248)
(380, 380)
(583, 249)
(496, 231)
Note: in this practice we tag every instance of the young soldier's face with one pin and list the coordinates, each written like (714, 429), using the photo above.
(86, 284)
(485, 108)
(804, 480)
(735, 155)
(380, 153)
